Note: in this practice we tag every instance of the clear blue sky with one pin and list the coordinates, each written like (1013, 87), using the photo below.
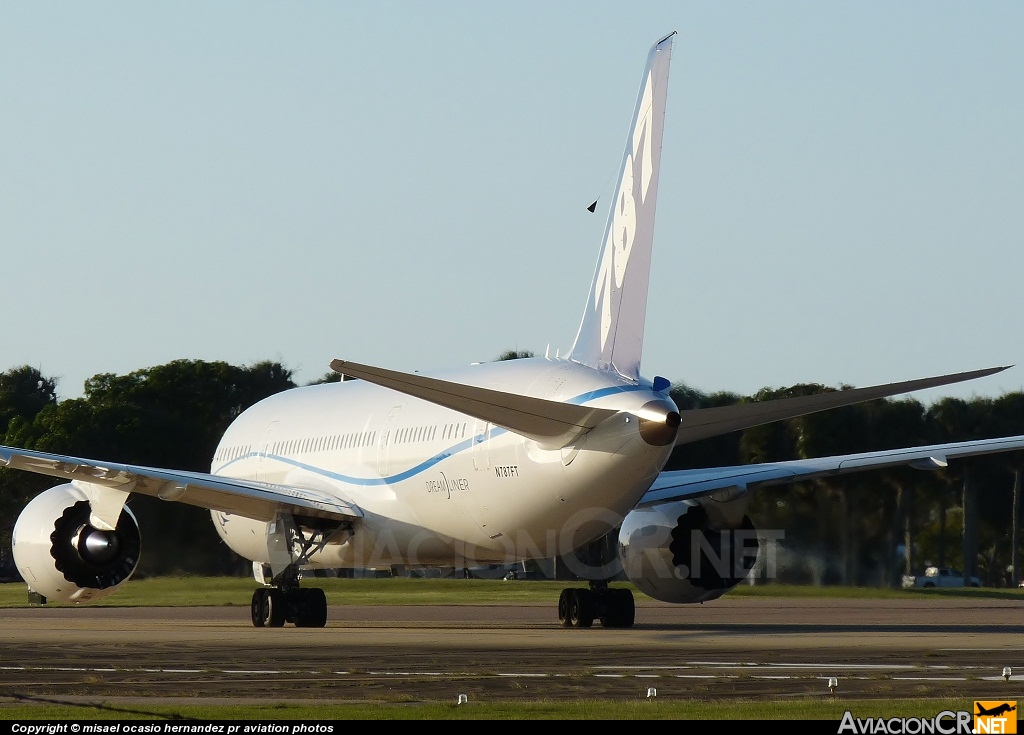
(404, 184)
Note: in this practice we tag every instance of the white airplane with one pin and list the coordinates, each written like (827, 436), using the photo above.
(494, 463)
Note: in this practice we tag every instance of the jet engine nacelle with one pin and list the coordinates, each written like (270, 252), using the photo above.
(63, 557)
(676, 552)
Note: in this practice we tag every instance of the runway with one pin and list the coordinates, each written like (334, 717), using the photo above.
(736, 646)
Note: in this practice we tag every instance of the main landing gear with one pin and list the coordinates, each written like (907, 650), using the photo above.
(272, 607)
(579, 608)
(281, 600)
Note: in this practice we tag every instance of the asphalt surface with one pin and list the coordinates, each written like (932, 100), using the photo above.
(748, 647)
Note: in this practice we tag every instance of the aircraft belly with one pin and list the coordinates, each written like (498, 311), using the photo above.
(245, 536)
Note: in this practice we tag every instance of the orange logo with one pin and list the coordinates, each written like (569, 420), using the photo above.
(995, 717)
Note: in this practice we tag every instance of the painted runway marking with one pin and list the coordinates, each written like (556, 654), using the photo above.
(712, 670)
(773, 665)
(704, 676)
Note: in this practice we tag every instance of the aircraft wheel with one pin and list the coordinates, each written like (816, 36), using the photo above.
(581, 609)
(311, 608)
(564, 603)
(621, 609)
(259, 607)
(268, 608)
(274, 616)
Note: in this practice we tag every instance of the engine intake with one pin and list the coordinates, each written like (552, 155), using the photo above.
(62, 556)
(90, 557)
(673, 552)
(711, 558)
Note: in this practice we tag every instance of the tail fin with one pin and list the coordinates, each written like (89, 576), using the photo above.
(611, 335)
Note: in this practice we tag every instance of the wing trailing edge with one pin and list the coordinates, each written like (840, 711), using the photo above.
(703, 423)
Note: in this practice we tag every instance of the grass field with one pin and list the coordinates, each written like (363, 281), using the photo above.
(227, 591)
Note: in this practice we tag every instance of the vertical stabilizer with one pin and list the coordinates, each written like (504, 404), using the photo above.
(611, 336)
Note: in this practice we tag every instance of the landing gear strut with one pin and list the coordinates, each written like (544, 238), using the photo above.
(579, 608)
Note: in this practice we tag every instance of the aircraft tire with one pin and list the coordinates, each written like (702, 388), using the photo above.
(267, 608)
(275, 614)
(311, 608)
(259, 604)
(581, 609)
(621, 609)
(564, 604)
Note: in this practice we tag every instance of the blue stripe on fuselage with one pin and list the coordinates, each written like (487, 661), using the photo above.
(428, 463)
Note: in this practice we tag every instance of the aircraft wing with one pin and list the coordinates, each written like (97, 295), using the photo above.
(683, 484)
(701, 423)
(248, 498)
(550, 423)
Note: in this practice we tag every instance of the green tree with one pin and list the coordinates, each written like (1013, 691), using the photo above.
(1008, 420)
(171, 416)
(985, 486)
(24, 392)
(716, 451)
(514, 355)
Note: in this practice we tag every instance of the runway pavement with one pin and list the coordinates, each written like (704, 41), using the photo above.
(736, 646)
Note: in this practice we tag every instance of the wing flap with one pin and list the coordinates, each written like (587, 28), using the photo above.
(702, 423)
(262, 501)
(684, 484)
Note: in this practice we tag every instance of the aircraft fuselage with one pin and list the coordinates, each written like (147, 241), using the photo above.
(440, 487)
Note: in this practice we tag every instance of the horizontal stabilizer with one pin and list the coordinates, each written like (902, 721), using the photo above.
(701, 423)
(551, 423)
